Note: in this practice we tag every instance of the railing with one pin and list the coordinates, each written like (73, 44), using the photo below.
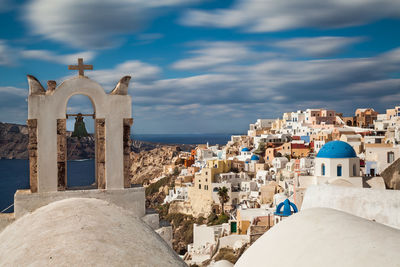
(7, 208)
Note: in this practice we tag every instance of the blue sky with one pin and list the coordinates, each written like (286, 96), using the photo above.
(207, 66)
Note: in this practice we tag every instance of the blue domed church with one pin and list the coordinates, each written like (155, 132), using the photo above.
(337, 163)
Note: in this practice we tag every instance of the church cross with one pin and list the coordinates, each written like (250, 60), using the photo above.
(81, 67)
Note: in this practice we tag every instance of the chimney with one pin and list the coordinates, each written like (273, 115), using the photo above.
(51, 86)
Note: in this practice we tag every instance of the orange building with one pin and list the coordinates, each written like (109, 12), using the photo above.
(190, 160)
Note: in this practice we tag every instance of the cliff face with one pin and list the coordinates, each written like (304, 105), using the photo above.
(391, 175)
(147, 165)
(13, 141)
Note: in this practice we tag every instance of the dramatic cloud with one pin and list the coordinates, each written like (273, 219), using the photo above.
(231, 93)
(277, 85)
(7, 54)
(212, 54)
(10, 56)
(94, 23)
(271, 15)
(49, 56)
(139, 71)
(318, 46)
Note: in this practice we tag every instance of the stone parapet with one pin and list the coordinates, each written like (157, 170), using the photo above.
(131, 199)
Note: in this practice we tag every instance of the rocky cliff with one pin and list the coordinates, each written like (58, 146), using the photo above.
(148, 158)
(13, 141)
(391, 175)
(147, 165)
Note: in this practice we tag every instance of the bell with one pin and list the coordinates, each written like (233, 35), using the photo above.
(79, 128)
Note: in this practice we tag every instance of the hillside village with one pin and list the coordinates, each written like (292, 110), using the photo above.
(230, 195)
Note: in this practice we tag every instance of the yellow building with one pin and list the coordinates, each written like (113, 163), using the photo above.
(200, 195)
(221, 166)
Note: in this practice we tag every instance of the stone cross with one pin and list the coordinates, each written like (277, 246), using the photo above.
(81, 67)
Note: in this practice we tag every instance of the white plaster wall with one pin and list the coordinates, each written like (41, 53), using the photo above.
(230, 240)
(372, 204)
(48, 108)
(202, 234)
(331, 166)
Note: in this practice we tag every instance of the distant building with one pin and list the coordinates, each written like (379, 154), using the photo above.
(379, 156)
(365, 117)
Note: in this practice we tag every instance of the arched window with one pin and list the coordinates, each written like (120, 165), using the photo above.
(354, 170)
(339, 170)
(323, 169)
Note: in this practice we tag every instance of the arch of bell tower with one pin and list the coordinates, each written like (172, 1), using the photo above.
(47, 132)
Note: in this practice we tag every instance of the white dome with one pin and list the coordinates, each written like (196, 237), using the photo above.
(83, 232)
(222, 263)
(325, 237)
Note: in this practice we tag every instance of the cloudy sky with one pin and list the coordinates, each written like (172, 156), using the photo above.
(207, 66)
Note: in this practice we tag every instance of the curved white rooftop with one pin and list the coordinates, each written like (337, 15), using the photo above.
(83, 232)
(222, 263)
(325, 237)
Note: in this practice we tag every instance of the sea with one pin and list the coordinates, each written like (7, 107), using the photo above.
(14, 174)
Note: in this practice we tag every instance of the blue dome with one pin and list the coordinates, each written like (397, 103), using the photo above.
(255, 157)
(245, 149)
(336, 150)
(286, 205)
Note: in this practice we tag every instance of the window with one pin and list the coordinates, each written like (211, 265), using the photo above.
(199, 186)
(323, 169)
(390, 157)
(339, 170)
(354, 170)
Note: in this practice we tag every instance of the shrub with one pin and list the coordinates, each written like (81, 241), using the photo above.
(211, 218)
(215, 220)
(222, 218)
(200, 220)
(163, 210)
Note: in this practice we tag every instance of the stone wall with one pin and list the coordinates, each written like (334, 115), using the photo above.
(62, 154)
(127, 152)
(33, 155)
(131, 199)
(101, 153)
